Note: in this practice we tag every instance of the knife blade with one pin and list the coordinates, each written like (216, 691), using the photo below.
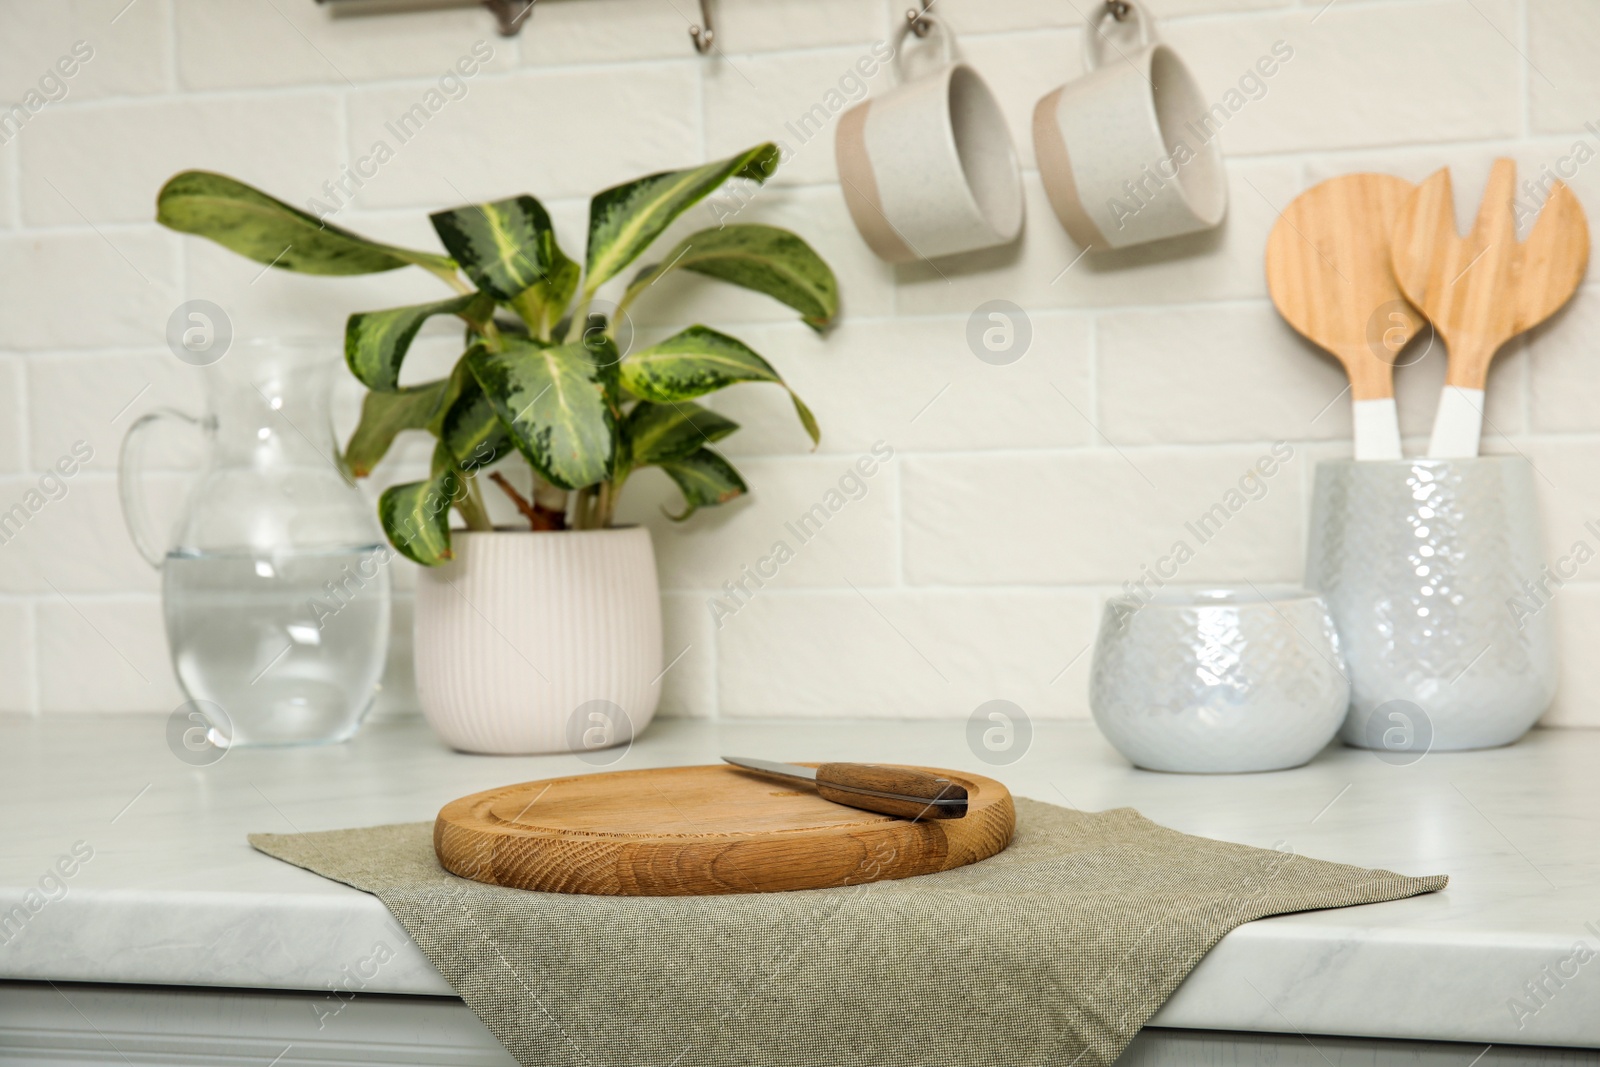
(902, 791)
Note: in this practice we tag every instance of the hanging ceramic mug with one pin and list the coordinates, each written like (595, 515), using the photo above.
(1126, 152)
(928, 168)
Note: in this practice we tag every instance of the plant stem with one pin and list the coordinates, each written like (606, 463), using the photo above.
(583, 510)
(622, 305)
(631, 294)
(547, 497)
(580, 318)
(516, 498)
(470, 503)
(539, 518)
(453, 280)
(610, 493)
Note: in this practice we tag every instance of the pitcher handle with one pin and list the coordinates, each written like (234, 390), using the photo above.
(130, 475)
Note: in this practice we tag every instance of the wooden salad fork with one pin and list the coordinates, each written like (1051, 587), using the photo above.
(1481, 290)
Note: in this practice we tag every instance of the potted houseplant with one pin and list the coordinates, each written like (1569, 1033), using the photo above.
(547, 638)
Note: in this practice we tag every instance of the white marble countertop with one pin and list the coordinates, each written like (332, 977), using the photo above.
(174, 895)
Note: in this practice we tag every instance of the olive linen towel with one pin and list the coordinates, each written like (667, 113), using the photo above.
(1053, 952)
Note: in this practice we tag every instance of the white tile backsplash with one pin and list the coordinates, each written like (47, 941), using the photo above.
(1564, 83)
(903, 653)
(126, 279)
(969, 566)
(552, 133)
(12, 446)
(745, 26)
(92, 48)
(94, 397)
(1577, 614)
(983, 16)
(793, 99)
(75, 540)
(1232, 372)
(17, 659)
(838, 524)
(8, 185)
(688, 657)
(1564, 393)
(914, 384)
(567, 32)
(285, 144)
(1362, 74)
(235, 45)
(1100, 516)
(103, 654)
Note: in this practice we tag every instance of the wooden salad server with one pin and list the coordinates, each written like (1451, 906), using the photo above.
(1483, 289)
(1329, 275)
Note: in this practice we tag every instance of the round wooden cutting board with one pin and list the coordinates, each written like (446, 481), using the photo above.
(685, 831)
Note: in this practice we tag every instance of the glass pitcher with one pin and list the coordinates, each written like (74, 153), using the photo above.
(275, 583)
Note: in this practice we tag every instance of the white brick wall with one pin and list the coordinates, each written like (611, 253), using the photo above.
(972, 566)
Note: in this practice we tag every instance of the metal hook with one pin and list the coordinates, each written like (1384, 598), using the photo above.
(1119, 9)
(704, 39)
(919, 19)
(509, 14)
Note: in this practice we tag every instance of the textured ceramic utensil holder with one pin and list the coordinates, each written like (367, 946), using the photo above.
(1423, 562)
(1218, 680)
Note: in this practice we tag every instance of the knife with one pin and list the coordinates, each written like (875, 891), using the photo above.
(910, 794)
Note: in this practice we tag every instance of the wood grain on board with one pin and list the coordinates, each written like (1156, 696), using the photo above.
(678, 831)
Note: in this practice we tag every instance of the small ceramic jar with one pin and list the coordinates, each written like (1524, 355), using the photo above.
(1219, 679)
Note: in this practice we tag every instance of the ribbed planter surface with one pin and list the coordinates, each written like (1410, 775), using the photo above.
(540, 642)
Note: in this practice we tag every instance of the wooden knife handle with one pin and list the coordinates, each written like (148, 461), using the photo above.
(839, 783)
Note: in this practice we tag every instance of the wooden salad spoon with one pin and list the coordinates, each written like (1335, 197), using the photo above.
(1483, 289)
(1329, 275)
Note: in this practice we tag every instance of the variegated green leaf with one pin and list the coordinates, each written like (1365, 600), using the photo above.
(698, 361)
(705, 479)
(509, 249)
(549, 398)
(267, 230)
(376, 342)
(660, 432)
(416, 517)
(384, 415)
(625, 219)
(764, 258)
(471, 430)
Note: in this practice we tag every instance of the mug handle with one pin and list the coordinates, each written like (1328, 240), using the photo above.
(130, 474)
(947, 42)
(1092, 35)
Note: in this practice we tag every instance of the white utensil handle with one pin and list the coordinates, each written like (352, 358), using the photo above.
(1377, 426)
(1458, 424)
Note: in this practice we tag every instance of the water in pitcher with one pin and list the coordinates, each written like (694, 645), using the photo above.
(290, 645)
(275, 578)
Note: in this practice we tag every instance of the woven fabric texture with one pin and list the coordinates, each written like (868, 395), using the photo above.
(1053, 952)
